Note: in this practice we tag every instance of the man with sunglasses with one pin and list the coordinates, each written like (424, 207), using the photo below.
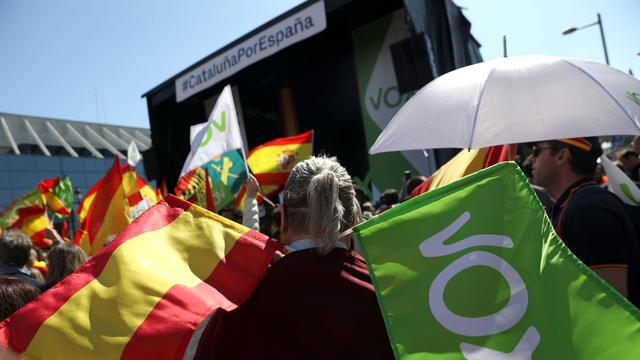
(594, 223)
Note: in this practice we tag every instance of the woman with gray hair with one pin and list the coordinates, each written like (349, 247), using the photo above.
(317, 302)
(319, 203)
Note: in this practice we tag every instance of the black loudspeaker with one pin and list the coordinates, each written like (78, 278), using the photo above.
(411, 63)
(150, 164)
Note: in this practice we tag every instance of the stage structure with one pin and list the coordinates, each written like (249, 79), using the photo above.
(340, 67)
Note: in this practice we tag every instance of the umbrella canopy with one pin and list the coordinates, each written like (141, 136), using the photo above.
(515, 100)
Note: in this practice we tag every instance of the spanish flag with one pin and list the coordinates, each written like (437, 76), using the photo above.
(58, 195)
(130, 184)
(238, 203)
(161, 191)
(107, 213)
(28, 214)
(85, 204)
(144, 295)
(193, 187)
(271, 162)
(147, 192)
(140, 196)
(466, 162)
(32, 220)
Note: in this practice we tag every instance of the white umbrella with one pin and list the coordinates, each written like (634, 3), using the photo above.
(515, 100)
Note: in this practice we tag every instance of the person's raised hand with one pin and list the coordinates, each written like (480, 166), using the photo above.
(252, 186)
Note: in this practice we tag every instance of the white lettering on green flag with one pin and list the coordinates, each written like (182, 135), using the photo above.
(474, 270)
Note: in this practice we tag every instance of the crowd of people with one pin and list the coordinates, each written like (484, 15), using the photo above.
(26, 272)
(322, 288)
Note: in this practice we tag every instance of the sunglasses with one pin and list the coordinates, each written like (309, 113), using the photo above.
(537, 150)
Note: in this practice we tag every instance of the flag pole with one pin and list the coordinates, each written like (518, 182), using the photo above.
(246, 166)
(265, 199)
(504, 54)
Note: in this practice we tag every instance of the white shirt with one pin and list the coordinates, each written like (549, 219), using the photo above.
(304, 244)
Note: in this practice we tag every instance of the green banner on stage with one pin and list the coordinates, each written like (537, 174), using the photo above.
(380, 99)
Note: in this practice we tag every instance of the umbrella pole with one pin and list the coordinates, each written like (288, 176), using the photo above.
(504, 45)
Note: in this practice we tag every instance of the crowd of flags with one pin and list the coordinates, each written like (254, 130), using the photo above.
(124, 302)
(29, 213)
(214, 176)
(199, 262)
(157, 257)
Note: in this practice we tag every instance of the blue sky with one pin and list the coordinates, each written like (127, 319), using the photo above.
(535, 28)
(91, 60)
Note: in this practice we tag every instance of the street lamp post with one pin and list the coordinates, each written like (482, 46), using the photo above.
(599, 23)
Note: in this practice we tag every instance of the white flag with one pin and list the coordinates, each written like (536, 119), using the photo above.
(133, 155)
(221, 134)
(194, 130)
(620, 184)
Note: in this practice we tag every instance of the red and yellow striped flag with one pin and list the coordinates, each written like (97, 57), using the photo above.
(85, 204)
(147, 192)
(195, 187)
(28, 214)
(107, 213)
(466, 162)
(32, 221)
(161, 191)
(130, 185)
(145, 294)
(140, 196)
(272, 161)
(58, 195)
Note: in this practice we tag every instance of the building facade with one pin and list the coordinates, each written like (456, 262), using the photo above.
(36, 148)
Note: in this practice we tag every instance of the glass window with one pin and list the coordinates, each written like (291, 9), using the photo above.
(92, 164)
(78, 179)
(92, 178)
(49, 174)
(70, 165)
(4, 179)
(22, 179)
(17, 193)
(6, 197)
(48, 163)
(83, 192)
(106, 164)
(20, 162)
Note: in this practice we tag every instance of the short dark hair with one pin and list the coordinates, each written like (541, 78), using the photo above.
(14, 294)
(390, 197)
(414, 182)
(361, 195)
(628, 153)
(582, 162)
(15, 248)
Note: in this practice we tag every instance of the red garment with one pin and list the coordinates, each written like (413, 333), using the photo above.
(307, 306)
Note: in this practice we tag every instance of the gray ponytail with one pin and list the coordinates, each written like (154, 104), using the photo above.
(320, 200)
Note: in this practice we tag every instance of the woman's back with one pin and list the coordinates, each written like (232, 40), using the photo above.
(306, 306)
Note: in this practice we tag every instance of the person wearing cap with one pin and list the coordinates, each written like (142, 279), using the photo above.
(593, 223)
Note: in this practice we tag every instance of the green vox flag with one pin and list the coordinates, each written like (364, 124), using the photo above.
(475, 270)
(64, 192)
